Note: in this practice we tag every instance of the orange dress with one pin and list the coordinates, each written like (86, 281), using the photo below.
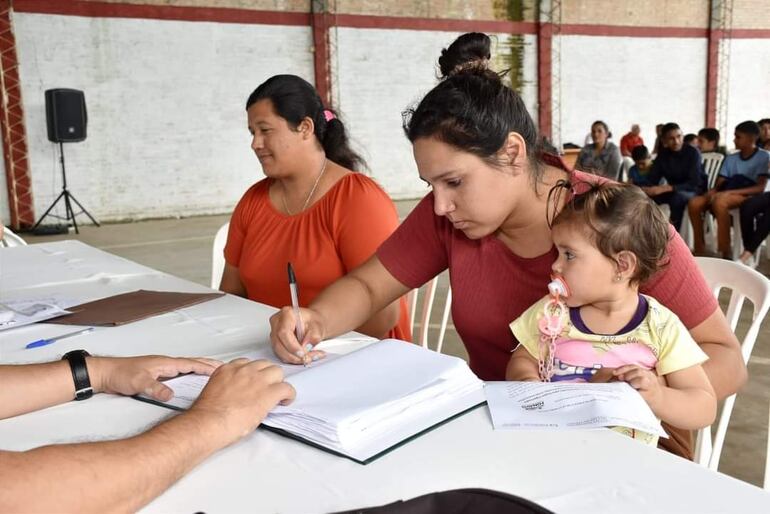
(340, 231)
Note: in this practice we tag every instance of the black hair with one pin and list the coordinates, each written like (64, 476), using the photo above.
(606, 128)
(689, 138)
(470, 108)
(748, 127)
(640, 153)
(469, 48)
(668, 127)
(709, 134)
(763, 121)
(294, 99)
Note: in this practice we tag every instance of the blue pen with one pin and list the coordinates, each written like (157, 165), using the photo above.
(46, 342)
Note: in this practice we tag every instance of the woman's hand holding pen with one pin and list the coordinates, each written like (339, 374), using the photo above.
(283, 338)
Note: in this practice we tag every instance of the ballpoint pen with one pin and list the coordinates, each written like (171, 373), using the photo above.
(46, 342)
(293, 290)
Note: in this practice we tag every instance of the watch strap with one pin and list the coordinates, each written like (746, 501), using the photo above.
(79, 369)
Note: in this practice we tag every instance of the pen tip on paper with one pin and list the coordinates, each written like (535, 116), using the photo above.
(292, 278)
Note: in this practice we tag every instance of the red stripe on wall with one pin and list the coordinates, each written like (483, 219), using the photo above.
(14, 134)
(750, 33)
(321, 56)
(626, 31)
(248, 16)
(712, 77)
(544, 78)
(437, 24)
(160, 12)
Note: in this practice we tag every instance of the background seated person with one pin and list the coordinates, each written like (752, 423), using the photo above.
(680, 165)
(764, 134)
(708, 141)
(743, 174)
(312, 210)
(631, 141)
(601, 157)
(755, 227)
(639, 173)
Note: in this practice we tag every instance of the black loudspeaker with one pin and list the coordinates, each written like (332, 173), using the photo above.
(65, 114)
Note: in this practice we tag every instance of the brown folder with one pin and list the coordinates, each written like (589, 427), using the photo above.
(128, 307)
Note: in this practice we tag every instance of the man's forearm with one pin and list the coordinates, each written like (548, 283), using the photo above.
(107, 476)
(32, 387)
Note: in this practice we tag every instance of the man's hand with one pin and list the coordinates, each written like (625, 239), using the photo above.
(239, 395)
(643, 380)
(135, 375)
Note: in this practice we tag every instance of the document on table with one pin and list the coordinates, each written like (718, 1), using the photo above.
(568, 406)
(18, 313)
(362, 404)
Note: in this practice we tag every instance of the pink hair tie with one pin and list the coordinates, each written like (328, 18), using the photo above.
(328, 115)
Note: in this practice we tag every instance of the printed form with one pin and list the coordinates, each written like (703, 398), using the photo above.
(568, 406)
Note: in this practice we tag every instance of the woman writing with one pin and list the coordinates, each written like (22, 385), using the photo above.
(486, 221)
(312, 210)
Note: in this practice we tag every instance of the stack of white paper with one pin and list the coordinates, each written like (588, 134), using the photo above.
(367, 401)
(347, 404)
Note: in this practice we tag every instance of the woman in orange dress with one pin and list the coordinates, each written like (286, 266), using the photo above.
(312, 210)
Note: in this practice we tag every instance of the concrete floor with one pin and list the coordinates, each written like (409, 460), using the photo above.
(182, 247)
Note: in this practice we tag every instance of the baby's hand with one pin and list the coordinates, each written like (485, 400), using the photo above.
(643, 380)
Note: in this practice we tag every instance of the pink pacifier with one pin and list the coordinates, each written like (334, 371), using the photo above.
(551, 325)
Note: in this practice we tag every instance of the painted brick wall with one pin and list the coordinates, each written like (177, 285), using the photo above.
(381, 73)
(647, 13)
(631, 80)
(748, 97)
(453, 9)
(751, 14)
(266, 5)
(167, 130)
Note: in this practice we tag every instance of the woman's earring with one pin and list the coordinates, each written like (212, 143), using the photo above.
(618, 278)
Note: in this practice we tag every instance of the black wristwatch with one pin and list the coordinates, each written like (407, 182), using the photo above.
(77, 360)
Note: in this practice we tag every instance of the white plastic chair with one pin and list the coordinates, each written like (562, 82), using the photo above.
(745, 283)
(712, 163)
(218, 256)
(427, 307)
(626, 165)
(11, 239)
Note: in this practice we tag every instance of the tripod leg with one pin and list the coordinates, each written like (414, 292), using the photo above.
(83, 209)
(70, 212)
(49, 209)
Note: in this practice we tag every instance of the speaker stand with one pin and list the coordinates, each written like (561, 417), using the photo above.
(68, 199)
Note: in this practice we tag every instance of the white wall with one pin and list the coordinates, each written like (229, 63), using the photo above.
(5, 213)
(632, 80)
(381, 73)
(166, 121)
(749, 93)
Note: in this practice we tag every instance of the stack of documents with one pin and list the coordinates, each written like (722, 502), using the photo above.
(361, 404)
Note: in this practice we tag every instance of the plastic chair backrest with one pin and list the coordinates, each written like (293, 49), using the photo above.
(429, 297)
(712, 163)
(626, 165)
(744, 283)
(12, 239)
(218, 255)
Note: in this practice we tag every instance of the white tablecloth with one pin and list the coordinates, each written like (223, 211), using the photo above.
(589, 471)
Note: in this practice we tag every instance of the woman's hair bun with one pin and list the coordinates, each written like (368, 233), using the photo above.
(467, 51)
